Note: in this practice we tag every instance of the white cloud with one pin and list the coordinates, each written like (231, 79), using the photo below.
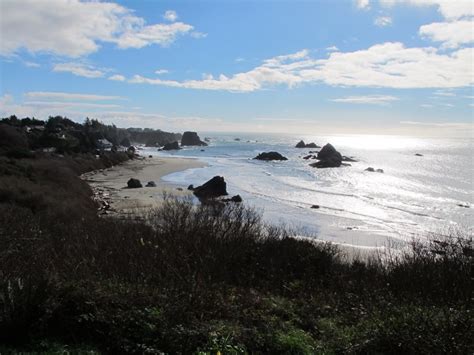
(383, 21)
(117, 77)
(368, 99)
(79, 69)
(53, 105)
(332, 49)
(450, 9)
(363, 4)
(52, 95)
(170, 15)
(161, 71)
(426, 105)
(387, 65)
(31, 64)
(444, 93)
(438, 124)
(76, 28)
(161, 34)
(198, 35)
(451, 34)
(44, 109)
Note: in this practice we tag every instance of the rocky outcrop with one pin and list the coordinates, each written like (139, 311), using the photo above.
(151, 184)
(213, 188)
(301, 144)
(171, 146)
(270, 156)
(134, 183)
(328, 157)
(191, 139)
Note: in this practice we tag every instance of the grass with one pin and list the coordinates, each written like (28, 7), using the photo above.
(208, 279)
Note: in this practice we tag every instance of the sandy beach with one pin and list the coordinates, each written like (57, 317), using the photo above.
(110, 185)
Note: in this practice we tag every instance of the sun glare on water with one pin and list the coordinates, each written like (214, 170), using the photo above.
(374, 142)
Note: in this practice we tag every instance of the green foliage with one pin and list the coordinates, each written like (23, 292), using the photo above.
(295, 341)
(67, 136)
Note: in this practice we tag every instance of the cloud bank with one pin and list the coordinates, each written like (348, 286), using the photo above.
(75, 28)
(387, 65)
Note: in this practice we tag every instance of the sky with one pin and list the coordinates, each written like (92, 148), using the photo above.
(328, 66)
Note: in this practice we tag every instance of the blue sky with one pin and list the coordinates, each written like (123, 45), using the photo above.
(364, 66)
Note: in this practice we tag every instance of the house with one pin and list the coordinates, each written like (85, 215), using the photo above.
(104, 144)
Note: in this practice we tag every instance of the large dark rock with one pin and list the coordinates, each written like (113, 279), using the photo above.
(236, 198)
(213, 188)
(328, 157)
(312, 145)
(134, 183)
(270, 156)
(300, 144)
(151, 184)
(171, 146)
(191, 138)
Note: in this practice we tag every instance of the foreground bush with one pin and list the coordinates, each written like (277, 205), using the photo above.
(206, 279)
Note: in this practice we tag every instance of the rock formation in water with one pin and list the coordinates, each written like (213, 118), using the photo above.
(171, 146)
(301, 144)
(372, 170)
(328, 157)
(213, 188)
(270, 156)
(191, 139)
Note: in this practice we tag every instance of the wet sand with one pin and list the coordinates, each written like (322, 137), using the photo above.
(110, 185)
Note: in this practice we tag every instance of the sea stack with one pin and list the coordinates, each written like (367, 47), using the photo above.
(191, 139)
(328, 157)
(270, 156)
(213, 188)
(171, 146)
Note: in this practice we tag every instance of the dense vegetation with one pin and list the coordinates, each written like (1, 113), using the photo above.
(67, 136)
(204, 279)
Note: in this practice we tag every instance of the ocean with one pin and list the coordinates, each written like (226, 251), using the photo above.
(415, 197)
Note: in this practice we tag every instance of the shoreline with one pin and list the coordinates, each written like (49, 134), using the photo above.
(109, 186)
(116, 200)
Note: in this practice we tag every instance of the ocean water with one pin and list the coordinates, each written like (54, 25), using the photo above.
(415, 196)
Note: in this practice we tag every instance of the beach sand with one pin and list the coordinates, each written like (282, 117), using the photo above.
(110, 185)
